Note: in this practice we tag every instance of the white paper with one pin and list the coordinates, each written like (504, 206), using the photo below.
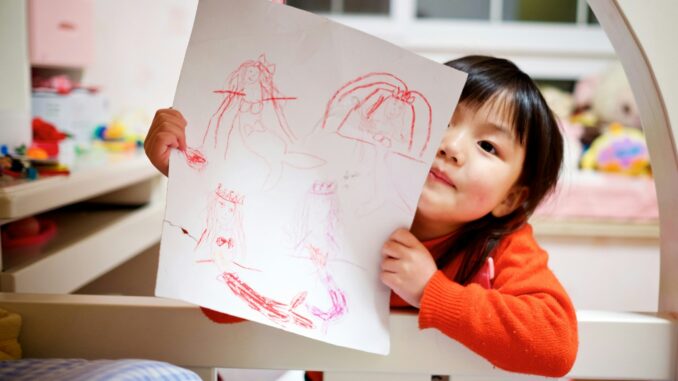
(309, 144)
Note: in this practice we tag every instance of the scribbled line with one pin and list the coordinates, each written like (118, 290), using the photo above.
(337, 296)
(381, 87)
(339, 306)
(184, 231)
(280, 313)
(194, 158)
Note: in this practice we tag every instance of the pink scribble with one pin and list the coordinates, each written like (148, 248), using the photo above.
(316, 241)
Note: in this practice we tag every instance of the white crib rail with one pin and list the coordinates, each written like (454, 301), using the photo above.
(612, 345)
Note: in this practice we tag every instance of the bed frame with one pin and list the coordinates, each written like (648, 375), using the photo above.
(612, 345)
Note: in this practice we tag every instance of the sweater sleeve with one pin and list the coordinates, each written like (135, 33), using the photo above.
(219, 317)
(526, 323)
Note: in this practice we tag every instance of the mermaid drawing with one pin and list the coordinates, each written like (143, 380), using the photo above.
(253, 109)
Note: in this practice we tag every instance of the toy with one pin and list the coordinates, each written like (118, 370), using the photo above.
(46, 139)
(619, 149)
(562, 105)
(602, 99)
(26, 236)
(116, 137)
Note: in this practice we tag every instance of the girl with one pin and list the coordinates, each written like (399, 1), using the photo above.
(470, 263)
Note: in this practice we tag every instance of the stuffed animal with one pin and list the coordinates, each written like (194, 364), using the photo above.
(602, 99)
(619, 149)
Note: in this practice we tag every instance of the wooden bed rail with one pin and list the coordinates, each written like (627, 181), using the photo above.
(612, 345)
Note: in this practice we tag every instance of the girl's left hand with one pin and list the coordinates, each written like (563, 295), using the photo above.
(407, 266)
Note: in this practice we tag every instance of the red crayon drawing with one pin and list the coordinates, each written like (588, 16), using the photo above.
(279, 313)
(378, 110)
(223, 235)
(195, 159)
(223, 238)
(253, 108)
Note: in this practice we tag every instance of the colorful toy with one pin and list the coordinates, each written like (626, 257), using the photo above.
(619, 149)
(116, 137)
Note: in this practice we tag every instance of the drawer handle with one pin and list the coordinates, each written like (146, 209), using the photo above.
(65, 25)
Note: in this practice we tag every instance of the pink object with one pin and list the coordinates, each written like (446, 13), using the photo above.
(61, 32)
(47, 231)
(602, 196)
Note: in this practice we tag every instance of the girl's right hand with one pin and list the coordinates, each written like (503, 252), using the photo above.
(167, 131)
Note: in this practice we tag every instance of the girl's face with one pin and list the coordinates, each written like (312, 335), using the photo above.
(474, 172)
(251, 75)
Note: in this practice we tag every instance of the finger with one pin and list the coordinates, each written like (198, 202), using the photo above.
(175, 113)
(392, 249)
(390, 265)
(391, 280)
(176, 129)
(405, 238)
(163, 141)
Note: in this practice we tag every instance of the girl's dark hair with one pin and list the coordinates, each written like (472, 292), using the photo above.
(498, 80)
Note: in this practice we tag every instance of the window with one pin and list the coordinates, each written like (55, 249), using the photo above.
(371, 7)
(553, 39)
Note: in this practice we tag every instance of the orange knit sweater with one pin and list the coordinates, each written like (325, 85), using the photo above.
(525, 323)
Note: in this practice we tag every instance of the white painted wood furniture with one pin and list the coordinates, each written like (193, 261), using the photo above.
(613, 345)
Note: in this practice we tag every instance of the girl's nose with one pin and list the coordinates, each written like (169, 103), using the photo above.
(451, 148)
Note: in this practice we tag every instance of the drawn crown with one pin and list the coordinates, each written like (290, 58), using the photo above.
(403, 95)
(324, 187)
(230, 196)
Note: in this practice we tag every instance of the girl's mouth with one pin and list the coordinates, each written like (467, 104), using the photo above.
(438, 175)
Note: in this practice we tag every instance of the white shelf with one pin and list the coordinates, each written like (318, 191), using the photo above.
(88, 244)
(91, 176)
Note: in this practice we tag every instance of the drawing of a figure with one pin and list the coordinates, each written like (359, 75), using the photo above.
(223, 235)
(224, 240)
(253, 108)
(379, 112)
(317, 242)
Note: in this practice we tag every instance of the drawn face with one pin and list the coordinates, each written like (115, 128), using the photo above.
(251, 75)
(477, 164)
(393, 108)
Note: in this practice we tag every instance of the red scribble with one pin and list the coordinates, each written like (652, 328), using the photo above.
(278, 312)
(382, 105)
(195, 159)
(379, 110)
(254, 108)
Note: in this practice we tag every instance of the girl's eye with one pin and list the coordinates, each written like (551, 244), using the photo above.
(487, 147)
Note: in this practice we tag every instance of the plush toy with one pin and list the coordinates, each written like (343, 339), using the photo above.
(562, 105)
(602, 99)
(619, 149)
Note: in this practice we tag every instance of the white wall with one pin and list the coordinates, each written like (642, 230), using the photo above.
(15, 128)
(139, 50)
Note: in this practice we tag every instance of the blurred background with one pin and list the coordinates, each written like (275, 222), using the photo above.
(83, 78)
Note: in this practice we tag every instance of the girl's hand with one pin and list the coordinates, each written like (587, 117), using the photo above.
(167, 131)
(407, 266)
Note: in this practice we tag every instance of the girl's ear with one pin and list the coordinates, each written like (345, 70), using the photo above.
(516, 196)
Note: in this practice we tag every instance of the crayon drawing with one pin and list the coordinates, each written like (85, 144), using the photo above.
(254, 108)
(301, 161)
(381, 114)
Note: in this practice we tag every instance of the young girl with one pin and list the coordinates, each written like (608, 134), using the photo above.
(470, 263)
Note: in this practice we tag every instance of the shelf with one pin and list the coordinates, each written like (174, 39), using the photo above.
(595, 228)
(88, 244)
(92, 175)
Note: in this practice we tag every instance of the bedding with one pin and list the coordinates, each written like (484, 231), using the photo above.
(94, 370)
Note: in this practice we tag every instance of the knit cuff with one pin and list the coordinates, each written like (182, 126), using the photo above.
(441, 302)
(219, 317)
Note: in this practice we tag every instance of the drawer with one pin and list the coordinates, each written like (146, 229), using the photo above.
(61, 33)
